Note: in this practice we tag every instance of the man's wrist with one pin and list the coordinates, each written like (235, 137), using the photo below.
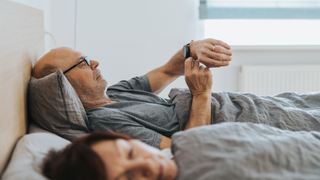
(192, 54)
(203, 96)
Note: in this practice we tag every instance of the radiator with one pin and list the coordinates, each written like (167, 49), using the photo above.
(273, 79)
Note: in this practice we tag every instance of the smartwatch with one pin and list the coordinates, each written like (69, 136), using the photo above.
(186, 51)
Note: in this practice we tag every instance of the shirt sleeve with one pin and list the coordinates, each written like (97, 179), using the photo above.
(136, 83)
(128, 127)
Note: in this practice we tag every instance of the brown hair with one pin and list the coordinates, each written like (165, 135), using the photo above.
(78, 161)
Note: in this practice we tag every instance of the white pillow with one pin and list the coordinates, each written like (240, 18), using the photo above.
(28, 155)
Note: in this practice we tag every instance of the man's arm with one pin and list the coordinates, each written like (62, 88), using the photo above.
(161, 77)
(200, 115)
(165, 143)
(211, 52)
(199, 81)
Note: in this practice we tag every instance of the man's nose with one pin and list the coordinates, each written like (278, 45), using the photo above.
(94, 64)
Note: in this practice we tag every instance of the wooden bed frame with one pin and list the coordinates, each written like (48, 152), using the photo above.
(21, 44)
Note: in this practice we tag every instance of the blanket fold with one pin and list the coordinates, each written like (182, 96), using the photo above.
(289, 110)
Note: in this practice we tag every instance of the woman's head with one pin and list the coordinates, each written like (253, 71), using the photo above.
(109, 156)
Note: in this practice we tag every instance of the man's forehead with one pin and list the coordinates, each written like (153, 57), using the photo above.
(81, 57)
(74, 56)
(63, 58)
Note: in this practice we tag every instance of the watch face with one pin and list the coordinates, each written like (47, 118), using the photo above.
(185, 51)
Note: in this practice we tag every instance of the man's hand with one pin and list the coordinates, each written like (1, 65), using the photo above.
(199, 81)
(211, 52)
(197, 77)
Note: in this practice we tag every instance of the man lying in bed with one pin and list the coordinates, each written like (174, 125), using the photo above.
(132, 106)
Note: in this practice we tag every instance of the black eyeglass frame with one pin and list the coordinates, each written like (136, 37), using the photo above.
(86, 59)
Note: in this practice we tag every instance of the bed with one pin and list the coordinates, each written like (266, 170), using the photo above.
(22, 43)
(23, 143)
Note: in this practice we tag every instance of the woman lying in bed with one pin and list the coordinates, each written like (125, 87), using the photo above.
(224, 151)
(109, 156)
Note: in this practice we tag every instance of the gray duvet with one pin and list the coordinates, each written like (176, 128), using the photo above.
(289, 110)
(239, 151)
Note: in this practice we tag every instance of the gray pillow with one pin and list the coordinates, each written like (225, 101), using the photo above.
(55, 106)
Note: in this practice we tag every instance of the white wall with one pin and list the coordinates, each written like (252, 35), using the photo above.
(130, 38)
(59, 21)
(226, 78)
(63, 20)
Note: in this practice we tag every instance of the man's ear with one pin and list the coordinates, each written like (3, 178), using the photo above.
(40, 72)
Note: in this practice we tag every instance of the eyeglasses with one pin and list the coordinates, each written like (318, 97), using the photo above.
(86, 59)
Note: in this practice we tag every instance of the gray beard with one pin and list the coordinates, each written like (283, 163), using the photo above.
(90, 95)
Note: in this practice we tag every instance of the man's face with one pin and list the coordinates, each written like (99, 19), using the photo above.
(86, 80)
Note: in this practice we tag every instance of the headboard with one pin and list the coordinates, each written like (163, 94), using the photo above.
(21, 44)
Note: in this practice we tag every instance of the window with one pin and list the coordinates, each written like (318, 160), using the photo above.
(262, 22)
(264, 32)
